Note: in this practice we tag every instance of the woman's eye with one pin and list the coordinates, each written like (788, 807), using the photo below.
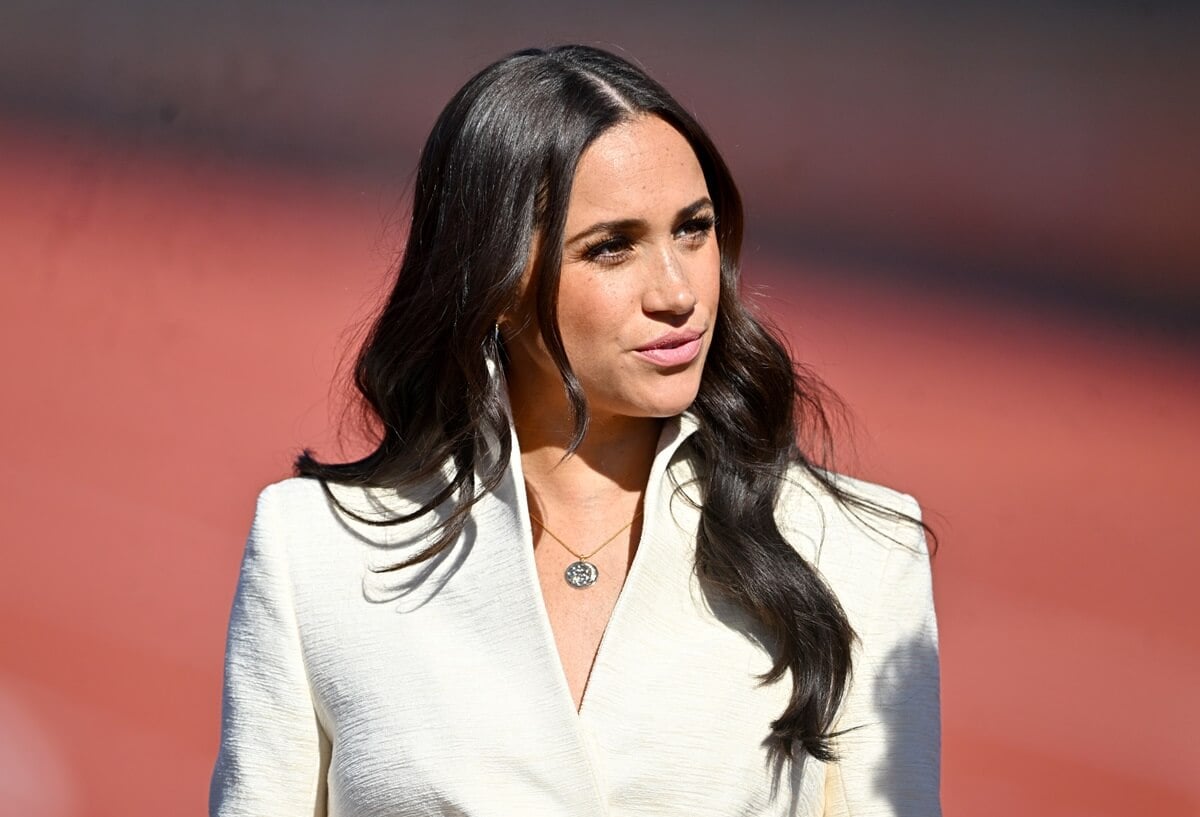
(696, 229)
(608, 251)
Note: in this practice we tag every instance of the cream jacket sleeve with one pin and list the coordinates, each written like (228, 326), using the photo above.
(890, 752)
(273, 753)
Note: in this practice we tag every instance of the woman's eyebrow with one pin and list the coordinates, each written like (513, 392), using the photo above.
(635, 224)
(621, 226)
(693, 208)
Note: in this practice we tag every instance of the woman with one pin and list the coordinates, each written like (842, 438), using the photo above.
(588, 570)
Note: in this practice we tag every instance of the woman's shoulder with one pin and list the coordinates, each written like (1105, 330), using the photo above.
(297, 504)
(294, 493)
(867, 525)
(329, 535)
(305, 518)
(871, 550)
(306, 499)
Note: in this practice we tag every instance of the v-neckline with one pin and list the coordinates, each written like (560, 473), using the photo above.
(674, 432)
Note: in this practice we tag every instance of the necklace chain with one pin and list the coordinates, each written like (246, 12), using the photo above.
(601, 546)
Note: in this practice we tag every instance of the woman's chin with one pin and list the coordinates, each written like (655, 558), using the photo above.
(661, 408)
(659, 398)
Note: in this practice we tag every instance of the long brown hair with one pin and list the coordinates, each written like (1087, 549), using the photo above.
(498, 168)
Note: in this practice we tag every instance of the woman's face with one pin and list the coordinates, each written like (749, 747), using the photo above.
(639, 283)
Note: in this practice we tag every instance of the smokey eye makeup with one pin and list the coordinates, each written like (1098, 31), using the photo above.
(612, 248)
(607, 248)
(698, 225)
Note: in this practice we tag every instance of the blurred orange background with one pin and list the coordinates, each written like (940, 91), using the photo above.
(981, 226)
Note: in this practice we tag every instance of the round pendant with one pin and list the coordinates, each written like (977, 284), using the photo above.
(581, 574)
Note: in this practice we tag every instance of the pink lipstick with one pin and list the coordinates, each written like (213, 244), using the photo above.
(673, 349)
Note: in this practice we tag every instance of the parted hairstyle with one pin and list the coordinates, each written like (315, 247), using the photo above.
(496, 170)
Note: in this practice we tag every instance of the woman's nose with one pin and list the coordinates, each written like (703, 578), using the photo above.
(668, 288)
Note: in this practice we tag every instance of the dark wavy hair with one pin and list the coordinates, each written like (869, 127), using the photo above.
(497, 169)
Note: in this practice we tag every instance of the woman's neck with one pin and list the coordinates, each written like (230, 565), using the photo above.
(608, 470)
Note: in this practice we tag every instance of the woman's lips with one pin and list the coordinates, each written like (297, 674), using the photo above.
(673, 351)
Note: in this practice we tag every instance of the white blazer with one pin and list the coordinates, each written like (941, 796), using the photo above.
(437, 690)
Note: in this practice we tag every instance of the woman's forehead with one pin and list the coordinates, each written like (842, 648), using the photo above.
(637, 167)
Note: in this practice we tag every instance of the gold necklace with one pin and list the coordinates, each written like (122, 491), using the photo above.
(581, 572)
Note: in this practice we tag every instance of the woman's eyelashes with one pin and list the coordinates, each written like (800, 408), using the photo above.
(697, 227)
(611, 249)
(615, 249)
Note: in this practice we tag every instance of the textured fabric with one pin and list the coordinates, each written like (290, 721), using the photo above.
(437, 690)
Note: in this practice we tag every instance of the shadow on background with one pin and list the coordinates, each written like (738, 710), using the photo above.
(979, 226)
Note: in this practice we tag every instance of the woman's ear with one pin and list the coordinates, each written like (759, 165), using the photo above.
(514, 320)
(520, 313)
(504, 326)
